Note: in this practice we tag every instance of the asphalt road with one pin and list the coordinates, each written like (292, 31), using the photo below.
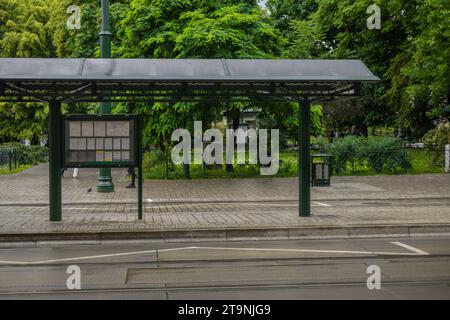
(416, 268)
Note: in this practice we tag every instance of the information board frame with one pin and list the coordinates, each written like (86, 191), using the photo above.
(134, 141)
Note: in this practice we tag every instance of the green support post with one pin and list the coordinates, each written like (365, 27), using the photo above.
(140, 206)
(105, 183)
(186, 170)
(166, 167)
(15, 158)
(140, 177)
(10, 155)
(304, 177)
(54, 137)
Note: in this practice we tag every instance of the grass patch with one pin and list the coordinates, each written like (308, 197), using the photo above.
(4, 170)
(421, 160)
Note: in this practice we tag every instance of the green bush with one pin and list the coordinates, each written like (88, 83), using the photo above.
(28, 155)
(377, 153)
(154, 158)
(344, 151)
(319, 143)
(436, 139)
(384, 153)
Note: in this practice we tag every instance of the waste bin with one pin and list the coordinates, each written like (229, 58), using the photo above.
(321, 165)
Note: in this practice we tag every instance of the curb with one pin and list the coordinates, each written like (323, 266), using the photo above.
(212, 200)
(236, 234)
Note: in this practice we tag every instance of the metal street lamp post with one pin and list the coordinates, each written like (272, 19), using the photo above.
(105, 183)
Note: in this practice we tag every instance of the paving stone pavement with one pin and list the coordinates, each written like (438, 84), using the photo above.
(219, 204)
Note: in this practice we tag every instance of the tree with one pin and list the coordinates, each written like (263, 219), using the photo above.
(285, 117)
(410, 54)
(23, 29)
(24, 34)
(284, 12)
(196, 29)
(420, 75)
(84, 42)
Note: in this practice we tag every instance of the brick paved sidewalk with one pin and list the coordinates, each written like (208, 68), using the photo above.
(31, 187)
(218, 207)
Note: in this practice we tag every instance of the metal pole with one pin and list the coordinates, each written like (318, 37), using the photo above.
(140, 192)
(54, 137)
(105, 183)
(166, 168)
(186, 173)
(10, 155)
(304, 189)
(447, 158)
(140, 177)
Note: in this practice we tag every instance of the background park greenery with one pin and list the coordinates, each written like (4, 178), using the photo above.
(410, 53)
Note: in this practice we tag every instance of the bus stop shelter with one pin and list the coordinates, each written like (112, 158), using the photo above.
(57, 81)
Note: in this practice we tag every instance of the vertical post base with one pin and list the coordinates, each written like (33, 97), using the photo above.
(105, 183)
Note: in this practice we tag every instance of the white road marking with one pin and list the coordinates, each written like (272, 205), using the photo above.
(417, 251)
(322, 204)
(308, 250)
(282, 250)
(149, 200)
(121, 254)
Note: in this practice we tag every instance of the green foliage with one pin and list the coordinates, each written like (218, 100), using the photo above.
(344, 151)
(198, 28)
(194, 29)
(5, 169)
(23, 29)
(378, 153)
(28, 155)
(285, 117)
(319, 143)
(23, 121)
(421, 74)
(410, 54)
(24, 33)
(384, 153)
(84, 43)
(438, 137)
(286, 11)
(229, 32)
(153, 164)
(304, 40)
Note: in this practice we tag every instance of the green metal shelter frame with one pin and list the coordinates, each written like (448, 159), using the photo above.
(58, 81)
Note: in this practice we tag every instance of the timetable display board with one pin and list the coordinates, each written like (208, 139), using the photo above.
(100, 141)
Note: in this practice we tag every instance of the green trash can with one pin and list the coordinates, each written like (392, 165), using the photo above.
(321, 165)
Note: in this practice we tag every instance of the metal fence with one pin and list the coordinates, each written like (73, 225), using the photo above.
(158, 164)
(8, 159)
(391, 161)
